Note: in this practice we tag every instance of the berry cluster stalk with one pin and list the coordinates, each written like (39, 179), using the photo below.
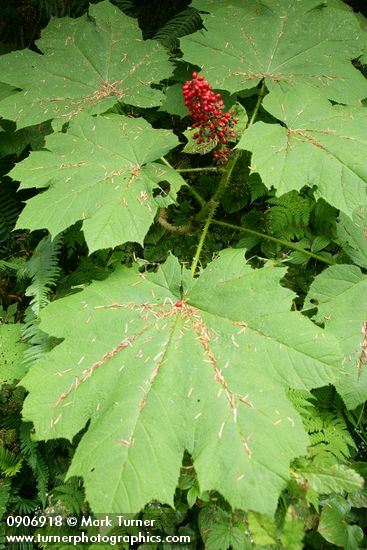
(224, 181)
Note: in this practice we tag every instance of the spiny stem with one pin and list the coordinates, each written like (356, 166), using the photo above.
(274, 240)
(205, 169)
(224, 181)
(202, 240)
(197, 195)
(257, 106)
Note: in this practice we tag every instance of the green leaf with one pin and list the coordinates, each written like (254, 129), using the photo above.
(100, 172)
(10, 463)
(173, 103)
(335, 478)
(352, 235)
(319, 145)
(5, 488)
(358, 499)
(155, 379)
(14, 142)
(221, 530)
(11, 353)
(192, 495)
(194, 148)
(293, 531)
(107, 62)
(340, 294)
(306, 43)
(263, 529)
(334, 525)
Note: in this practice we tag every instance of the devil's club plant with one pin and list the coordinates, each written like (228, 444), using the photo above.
(228, 361)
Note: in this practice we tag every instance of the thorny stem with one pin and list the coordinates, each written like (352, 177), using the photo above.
(162, 219)
(197, 195)
(204, 169)
(275, 240)
(224, 181)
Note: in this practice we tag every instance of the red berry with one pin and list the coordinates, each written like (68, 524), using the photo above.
(179, 303)
(194, 74)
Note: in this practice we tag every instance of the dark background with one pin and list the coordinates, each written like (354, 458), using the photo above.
(22, 20)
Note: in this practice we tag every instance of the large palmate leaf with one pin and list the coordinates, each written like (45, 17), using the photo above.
(101, 172)
(160, 363)
(311, 42)
(340, 295)
(89, 64)
(318, 145)
(352, 234)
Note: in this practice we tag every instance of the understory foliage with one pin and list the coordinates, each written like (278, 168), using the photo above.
(183, 256)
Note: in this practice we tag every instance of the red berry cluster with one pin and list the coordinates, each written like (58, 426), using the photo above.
(205, 107)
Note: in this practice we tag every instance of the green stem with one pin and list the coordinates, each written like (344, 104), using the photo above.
(166, 162)
(257, 106)
(197, 195)
(224, 181)
(274, 240)
(205, 169)
(201, 242)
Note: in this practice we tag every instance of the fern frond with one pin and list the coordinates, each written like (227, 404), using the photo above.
(9, 212)
(69, 496)
(330, 440)
(30, 451)
(186, 22)
(10, 463)
(5, 487)
(44, 271)
(257, 189)
(24, 506)
(39, 342)
(61, 8)
(126, 6)
(289, 215)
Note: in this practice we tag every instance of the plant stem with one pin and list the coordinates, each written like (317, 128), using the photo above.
(275, 240)
(197, 195)
(166, 162)
(193, 191)
(224, 181)
(203, 235)
(257, 106)
(205, 169)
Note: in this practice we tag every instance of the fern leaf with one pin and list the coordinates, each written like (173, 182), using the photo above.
(10, 463)
(126, 6)
(9, 211)
(4, 495)
(69, 496)
(44, 271)
(322, 416)
(185, 22)
(289, 215)
(35, 460)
